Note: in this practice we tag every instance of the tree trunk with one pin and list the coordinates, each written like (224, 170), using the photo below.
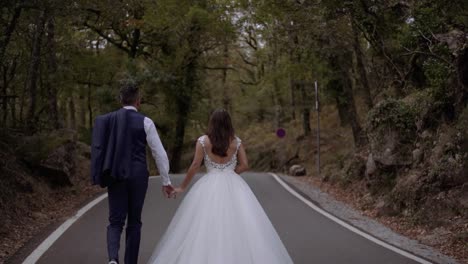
(90, 108)
(294, 57)
(33, 72)
(4, 94)
(179, 140)
(305, 110)
(82, 105)
(292, 88)
(335, 86)
(360, 67)
(184, 103)
(52, 70)
(5, 111)
(342, 65)
(359, 138)
(279, 103)
(9, 30)
(377, 41)
(13, 112)
(63, 110)
(9, 72)
(344, 120)
(72, 112)
(278, 99)
(184, 97)
(22, 105)
(181, 123)
(226, 95)
(136, 34)
(343, 88)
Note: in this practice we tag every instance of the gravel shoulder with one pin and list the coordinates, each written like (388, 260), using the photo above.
(371, 226)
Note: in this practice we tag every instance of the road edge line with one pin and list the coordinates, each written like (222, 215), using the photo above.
(50, 240)
(348, 226)
(47, 243)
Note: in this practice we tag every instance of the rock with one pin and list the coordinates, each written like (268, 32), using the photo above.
(388, 158)
(385, 209)
(55, 176)
(355, 168)
(39, 215)
(407, 212)
(391, 131)
(59, 165)
(438, 236)
(367, 201)
(417, 155)
(440, 147)
(83, 149)
(297, 170)
(451, 160)
(455, 40)
(370, 166)
(419, 124)
(426, 134)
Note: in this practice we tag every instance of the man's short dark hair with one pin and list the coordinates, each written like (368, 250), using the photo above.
(129, 92)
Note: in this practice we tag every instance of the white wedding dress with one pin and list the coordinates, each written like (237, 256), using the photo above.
(220, 221)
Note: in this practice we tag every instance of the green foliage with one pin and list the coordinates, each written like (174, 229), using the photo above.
(84, 135)
(442, 97)
(436, 72)
(256, 58)
(35, 149)
(391, 114)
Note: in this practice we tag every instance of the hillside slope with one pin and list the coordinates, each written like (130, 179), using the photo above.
(411, 176)
(43, 179)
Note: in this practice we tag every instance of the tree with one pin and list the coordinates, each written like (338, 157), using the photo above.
(176, 60)
(33, 73)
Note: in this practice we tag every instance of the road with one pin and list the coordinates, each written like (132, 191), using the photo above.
(308, 236)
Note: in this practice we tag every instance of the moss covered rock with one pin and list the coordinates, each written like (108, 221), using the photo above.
(51, 156)
(391, 131)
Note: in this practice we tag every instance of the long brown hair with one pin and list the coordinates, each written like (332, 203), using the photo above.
(220, 132)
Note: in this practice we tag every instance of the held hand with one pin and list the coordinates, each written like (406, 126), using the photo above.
(168, 191)
(179, 190)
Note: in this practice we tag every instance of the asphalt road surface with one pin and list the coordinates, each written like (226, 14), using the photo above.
(308, 236)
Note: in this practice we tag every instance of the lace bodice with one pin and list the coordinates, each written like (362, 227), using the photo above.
(211, 165)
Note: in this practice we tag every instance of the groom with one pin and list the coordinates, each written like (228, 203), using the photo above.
(118, 162)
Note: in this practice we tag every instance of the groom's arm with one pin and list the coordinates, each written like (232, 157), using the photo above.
(157, 150)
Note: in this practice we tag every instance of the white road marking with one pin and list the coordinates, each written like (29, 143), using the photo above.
(49, 241)
(348, 226)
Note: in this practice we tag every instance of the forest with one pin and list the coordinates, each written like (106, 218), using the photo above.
(392, 81)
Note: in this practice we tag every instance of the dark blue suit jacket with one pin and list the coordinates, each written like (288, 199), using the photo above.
(118, 147)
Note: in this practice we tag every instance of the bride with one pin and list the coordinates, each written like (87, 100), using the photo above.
(220, 219)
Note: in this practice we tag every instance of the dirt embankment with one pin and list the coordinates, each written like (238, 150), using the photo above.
(43, 180)
(412, 175)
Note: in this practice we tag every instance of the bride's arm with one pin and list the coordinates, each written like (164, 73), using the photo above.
(242, 158)
(194, 167)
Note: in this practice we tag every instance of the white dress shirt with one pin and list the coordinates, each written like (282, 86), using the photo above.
(157, 149)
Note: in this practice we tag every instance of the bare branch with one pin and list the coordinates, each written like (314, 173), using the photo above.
(410, 53)
(106, 37)
(219, 68)
(246, 60)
